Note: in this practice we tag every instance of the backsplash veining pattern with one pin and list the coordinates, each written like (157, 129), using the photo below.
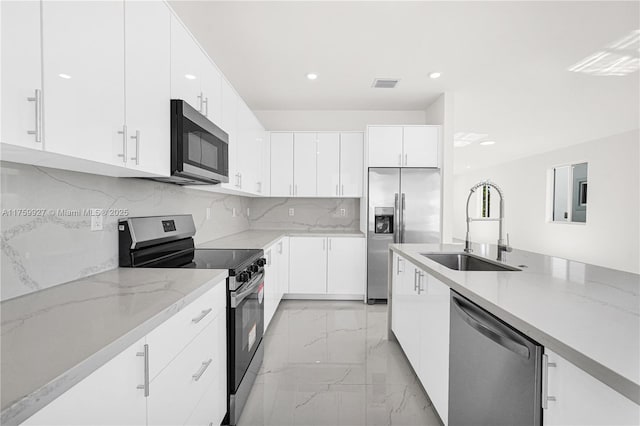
(42, 251)
(309, 214)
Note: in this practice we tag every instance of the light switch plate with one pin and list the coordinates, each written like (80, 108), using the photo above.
(97, 220)
(234, 213)
(343, 212)
(208, 213)
(291, 211)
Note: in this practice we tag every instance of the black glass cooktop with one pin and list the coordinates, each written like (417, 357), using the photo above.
(231, 259)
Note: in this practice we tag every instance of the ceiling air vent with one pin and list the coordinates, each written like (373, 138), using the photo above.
(385, 83)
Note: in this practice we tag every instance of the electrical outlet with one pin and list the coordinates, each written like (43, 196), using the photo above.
(96, 220)
(248, 212)
(343, 212)
(208, 213)
(234, 213)
(291, 211)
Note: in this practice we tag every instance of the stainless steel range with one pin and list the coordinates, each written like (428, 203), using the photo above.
(167, 242)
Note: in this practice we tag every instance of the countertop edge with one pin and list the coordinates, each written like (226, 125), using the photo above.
(24, 408)
(614, 380)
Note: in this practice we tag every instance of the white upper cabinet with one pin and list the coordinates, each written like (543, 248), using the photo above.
(281, 164)
(420, 146)
(194, 78)
(148, 85)
(328, 158)
(385, 146)
(403, 146)
(229, 123)
(351, 163)
(21, 74)
(83, 59)
(304, 164)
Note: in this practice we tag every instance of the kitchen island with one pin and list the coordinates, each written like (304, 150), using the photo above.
(586, 314)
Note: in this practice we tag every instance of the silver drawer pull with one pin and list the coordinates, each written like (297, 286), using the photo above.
(201, 316)
(145, 386)
(202, 369)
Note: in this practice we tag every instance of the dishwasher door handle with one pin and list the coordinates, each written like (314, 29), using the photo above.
(485, 329)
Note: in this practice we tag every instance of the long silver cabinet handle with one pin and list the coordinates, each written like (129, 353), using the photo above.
(545, 381)
(280, 247)
(415, 280)
(406, 158)
(295, 189)
(202, 369)
(206, 103)
(399, 259)
(420, 277)
(342, 193)
(337, 193)
(200, 98)
(329, 239)
(123, 132)
(137, 139)
(202, 315)
(145, 354)
(37, 99)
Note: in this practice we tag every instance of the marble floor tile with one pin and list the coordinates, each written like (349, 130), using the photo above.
(330, 363)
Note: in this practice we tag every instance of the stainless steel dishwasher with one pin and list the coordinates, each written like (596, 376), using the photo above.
(494, 370)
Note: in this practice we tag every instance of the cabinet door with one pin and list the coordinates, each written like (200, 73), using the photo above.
(283, 266)
(186, 66)
(346, 270)
(304, 164)
(385, 146)
(399, 269)
(406, 314)
(434, 342)
(421, 146)
(211, 89)
(351, 161)
(581, 399)
(21, 73)
(328, 177)
(148, 85)
(84, 79)
(270, 284)
(265, 177)
(281, 164)
(248, 160)
(109, 396)
(308, 267)
(229, 123)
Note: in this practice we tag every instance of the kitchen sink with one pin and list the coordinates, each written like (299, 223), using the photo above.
(467, 262)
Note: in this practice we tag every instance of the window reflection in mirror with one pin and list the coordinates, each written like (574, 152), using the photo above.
(570, 193)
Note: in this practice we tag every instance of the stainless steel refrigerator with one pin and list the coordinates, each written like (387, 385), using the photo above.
(404, 207)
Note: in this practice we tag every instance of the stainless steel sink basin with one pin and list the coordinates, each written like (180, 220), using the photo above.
(467, 262)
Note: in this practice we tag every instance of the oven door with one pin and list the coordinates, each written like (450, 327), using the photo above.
(199, 148)
(246, 325)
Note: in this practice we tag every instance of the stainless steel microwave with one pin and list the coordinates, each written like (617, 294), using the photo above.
(199, 148)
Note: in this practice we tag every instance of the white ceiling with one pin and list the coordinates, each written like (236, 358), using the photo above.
(505, 62)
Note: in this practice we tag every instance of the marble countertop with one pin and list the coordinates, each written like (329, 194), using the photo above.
(264, 238)
(589, 315)
(54, 338)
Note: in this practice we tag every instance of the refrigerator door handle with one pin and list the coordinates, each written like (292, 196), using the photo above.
(396, 216)
(402, 229)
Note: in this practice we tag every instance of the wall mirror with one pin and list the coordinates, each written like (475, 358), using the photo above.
(569, 196)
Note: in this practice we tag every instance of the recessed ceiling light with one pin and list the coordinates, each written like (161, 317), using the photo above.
(65, 76)
(485, 143)
(190, 76)
(312, 76)
(435, 75)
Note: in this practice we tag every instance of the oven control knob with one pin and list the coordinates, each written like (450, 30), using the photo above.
(243, 277)
(253, 268)
(261, 262)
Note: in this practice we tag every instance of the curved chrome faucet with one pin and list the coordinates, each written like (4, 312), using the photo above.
(502, 247)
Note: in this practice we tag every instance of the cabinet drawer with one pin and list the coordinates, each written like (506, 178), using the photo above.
(170, 338)
(212, 407)
(175, 392)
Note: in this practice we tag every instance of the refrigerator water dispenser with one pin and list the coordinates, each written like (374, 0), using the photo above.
(384, 220)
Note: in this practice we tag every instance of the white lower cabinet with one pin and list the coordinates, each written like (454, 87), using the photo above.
(276, 280)
(420, 322)
(581, 399)
(108, 396)
(333, 266)
(187, 361)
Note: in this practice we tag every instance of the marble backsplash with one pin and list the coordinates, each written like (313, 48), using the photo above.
(309, 214)
(42, 251)
(59, 246)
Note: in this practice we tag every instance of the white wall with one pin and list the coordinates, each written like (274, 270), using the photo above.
(441, 112)
(335, 120)
(611, 234)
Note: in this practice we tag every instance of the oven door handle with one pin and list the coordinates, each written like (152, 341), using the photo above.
(239, 296)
